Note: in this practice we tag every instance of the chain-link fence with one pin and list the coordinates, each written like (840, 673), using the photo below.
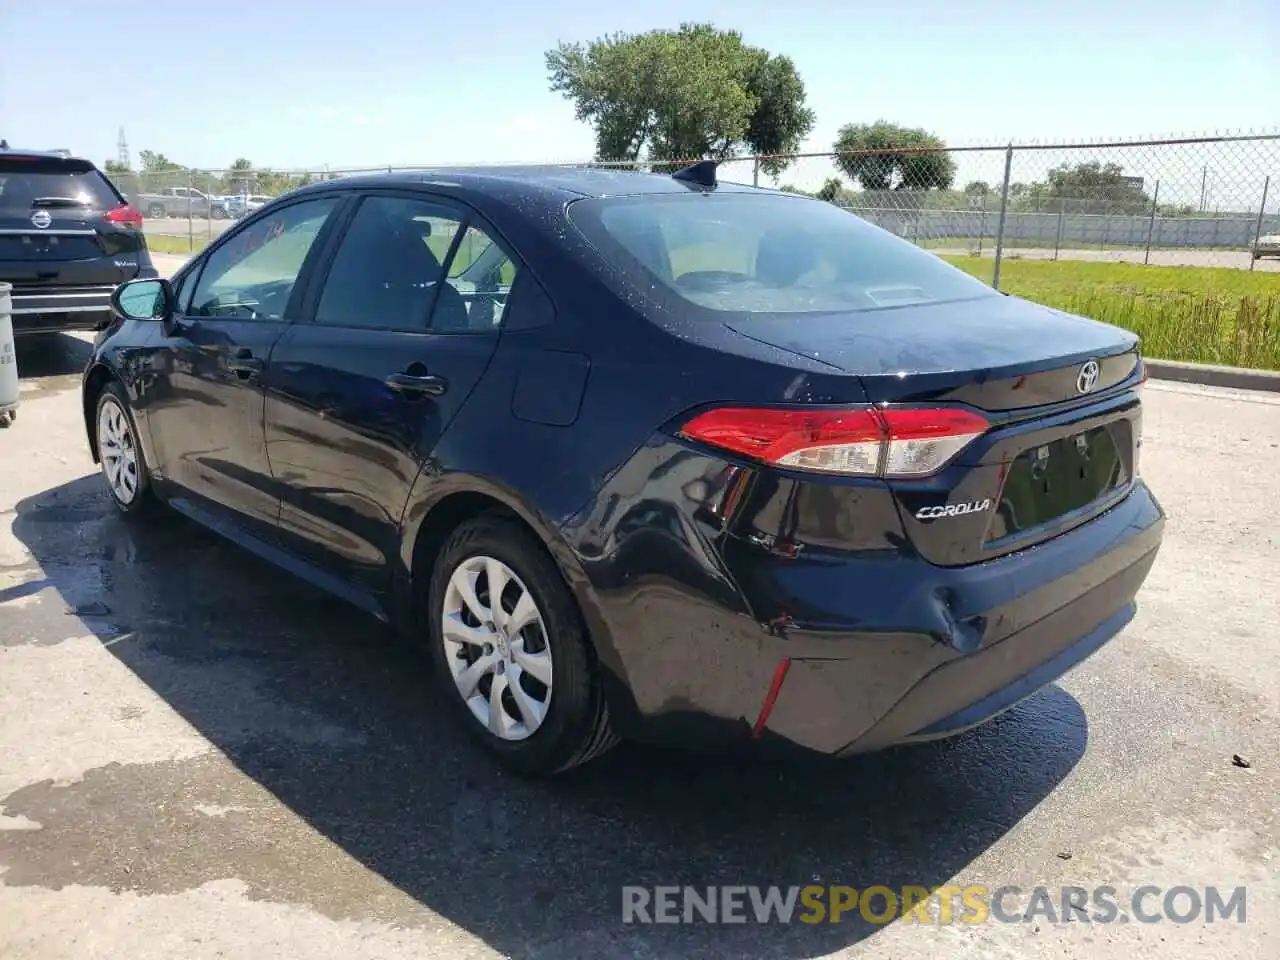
(184, 209)
(1203, 201)
(1190, 201)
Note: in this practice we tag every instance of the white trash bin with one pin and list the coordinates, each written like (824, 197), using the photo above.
(8, 359)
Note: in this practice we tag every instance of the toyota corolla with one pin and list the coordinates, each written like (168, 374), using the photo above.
(644, 456)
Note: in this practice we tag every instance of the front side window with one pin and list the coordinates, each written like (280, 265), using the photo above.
(183, 289)
(763, 254)
(252, 275)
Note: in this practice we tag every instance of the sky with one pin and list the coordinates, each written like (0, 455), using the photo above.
(291, 84)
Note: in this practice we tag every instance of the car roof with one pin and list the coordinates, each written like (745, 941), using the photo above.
(44, 154)
(542, 182)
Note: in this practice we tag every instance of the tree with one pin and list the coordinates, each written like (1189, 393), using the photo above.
(683, 94)
(1099, 185)
(156, 162)
(830, 190)
(115, 167)
(240, 177)
(885, 156)
(977, 188)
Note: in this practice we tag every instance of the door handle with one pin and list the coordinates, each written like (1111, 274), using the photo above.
(427, 383)
(244, 364)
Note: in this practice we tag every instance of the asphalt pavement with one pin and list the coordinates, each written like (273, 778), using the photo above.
(203, 757)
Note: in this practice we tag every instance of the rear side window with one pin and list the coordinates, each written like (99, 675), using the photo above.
(764, 253)
(30, 183)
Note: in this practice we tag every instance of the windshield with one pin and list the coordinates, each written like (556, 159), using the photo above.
(767, 253)
(30, 182)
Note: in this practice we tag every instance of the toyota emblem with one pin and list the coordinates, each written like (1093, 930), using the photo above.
(41, 219)
(1087, 378)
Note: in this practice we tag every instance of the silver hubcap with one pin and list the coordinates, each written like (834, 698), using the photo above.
(497, 647)
(117, 451)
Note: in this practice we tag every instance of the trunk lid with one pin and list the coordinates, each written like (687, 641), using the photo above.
(994, 352)
(1057, 390)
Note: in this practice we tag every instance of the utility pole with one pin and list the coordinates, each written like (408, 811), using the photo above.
(122, 150)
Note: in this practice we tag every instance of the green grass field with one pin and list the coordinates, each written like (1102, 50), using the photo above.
(1198, 314)
(163, 243)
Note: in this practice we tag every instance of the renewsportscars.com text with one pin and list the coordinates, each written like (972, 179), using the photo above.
(972, 904)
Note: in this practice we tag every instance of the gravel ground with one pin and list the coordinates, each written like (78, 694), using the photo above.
(201, 757)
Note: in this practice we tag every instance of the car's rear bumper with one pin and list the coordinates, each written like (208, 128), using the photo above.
(60, 321)
(893, 649)
(54, 309)
(818, 704)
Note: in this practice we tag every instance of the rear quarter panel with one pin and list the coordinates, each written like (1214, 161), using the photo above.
(600, 470)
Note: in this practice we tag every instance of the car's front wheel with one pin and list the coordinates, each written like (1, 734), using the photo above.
(123, 466)
(511, 651)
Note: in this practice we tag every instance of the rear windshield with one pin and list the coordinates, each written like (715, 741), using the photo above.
(767, 253)
(28, 183)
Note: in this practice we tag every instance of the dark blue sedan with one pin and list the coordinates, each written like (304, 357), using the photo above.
(644, 456)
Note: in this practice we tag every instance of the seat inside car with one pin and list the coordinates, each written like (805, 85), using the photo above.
(783, 256)
(392, 280)
(645, 240)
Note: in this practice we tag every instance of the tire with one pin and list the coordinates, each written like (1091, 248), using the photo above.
(156, 211)
(573, 727)
(132, 500)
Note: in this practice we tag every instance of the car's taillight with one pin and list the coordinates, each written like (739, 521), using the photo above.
(125, 215)
(922, 441)
(859, 441)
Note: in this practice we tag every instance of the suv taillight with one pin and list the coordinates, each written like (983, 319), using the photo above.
(860, 441)
(125, 215)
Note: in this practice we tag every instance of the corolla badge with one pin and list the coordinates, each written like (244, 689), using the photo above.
(952, 509)
(41, 219)
(1087, 378)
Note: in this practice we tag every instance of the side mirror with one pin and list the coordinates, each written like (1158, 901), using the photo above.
(150, 299)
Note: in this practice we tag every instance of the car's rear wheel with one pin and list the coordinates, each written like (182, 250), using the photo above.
(123, 466)
(155, 211)
(511, 650)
